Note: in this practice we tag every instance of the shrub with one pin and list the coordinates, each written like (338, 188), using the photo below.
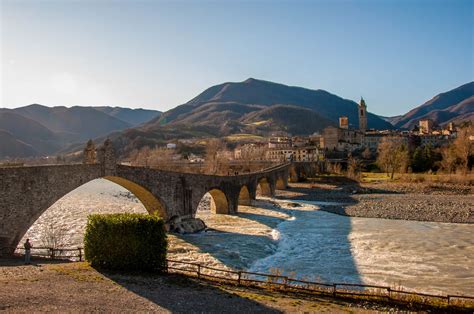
(126, 242)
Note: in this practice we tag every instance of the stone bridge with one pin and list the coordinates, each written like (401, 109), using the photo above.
(26, 192)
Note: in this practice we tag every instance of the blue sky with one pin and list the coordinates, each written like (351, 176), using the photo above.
(159, 54)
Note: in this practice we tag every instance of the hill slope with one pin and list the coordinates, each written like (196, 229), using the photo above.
(28, 131)
(295, 120)
(13, 147)
(454, 105)
(37, 130)
(80, 123)
(264, 94)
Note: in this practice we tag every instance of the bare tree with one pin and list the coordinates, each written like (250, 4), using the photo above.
(354, 166)
(53, 236)
(213, 147)
(463, 147)
(367, 154)
(141, 157)
(392, 155)
(448, 161)
(161, 157)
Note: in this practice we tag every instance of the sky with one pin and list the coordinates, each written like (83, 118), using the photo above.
(160, 54)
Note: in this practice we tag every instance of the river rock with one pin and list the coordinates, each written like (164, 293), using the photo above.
(186, 225)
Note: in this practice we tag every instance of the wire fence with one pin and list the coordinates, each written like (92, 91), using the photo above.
(273, 281)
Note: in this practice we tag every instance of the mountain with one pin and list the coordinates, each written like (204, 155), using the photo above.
(249, 107)
(79, 123)
(259, 94)
(37, 130)
(28, 131)
(455, 105)
(294, 119)
(13, 147)
(131, 116)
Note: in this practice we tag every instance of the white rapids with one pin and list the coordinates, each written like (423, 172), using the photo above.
(299, 240)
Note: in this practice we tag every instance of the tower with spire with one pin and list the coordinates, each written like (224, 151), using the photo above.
(362, 115)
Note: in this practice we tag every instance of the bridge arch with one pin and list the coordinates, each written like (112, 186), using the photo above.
(219, 202)
(244, 196)
(153, 204)
(56, 191)
(280, 184)
(264, 185)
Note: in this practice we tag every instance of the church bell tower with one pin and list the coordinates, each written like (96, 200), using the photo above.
(362, 115)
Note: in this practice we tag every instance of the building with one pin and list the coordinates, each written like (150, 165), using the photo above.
(434, 140)
(279, 154)
(344, 122)
(334, 138)
(362, 115)
(279, 142)
(307, 153)
(426, 126)
(251, 151)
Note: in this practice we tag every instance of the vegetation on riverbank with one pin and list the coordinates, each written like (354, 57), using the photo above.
(126, 242)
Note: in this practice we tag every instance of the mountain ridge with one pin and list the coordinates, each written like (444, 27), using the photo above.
(37, 130)
(266, 93)
(442, 108)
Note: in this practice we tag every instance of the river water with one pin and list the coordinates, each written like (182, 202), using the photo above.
(298, 239)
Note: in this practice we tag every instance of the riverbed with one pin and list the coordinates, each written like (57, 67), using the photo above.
(298, 239)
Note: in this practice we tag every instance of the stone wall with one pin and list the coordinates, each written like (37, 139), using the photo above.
(26, 192)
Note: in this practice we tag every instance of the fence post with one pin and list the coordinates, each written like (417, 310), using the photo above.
(51, 253)
(334, 290)
(199, 271)
(389, 293)
(238, 279)
(80, 254)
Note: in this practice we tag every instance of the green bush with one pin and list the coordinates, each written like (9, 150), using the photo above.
(126, 242)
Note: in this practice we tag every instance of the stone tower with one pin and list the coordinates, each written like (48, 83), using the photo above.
(362, 115)
(90, 154)
(107, 159)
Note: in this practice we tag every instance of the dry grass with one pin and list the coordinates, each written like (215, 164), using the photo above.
(243, 136)
(466, 179)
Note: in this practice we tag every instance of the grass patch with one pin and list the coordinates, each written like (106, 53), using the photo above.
(257, 123)
(243, 136)
(467, 179)
(80, 271)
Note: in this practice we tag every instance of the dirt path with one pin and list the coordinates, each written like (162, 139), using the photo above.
(76, 287)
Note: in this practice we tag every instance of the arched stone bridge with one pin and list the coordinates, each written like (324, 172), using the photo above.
(26, 192)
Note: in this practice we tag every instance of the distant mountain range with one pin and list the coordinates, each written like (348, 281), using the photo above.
(249, 107)
(455, 105)
(37, 130)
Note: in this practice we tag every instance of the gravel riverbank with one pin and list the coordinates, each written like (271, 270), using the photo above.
(407, 201)
(436, 208)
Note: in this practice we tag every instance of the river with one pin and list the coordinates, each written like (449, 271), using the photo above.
(298, 239)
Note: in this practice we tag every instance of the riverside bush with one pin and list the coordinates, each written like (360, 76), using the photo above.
(135, 242)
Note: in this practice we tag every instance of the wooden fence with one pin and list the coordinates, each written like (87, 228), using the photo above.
(73, 254)
(277, 282)
(285, 283)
